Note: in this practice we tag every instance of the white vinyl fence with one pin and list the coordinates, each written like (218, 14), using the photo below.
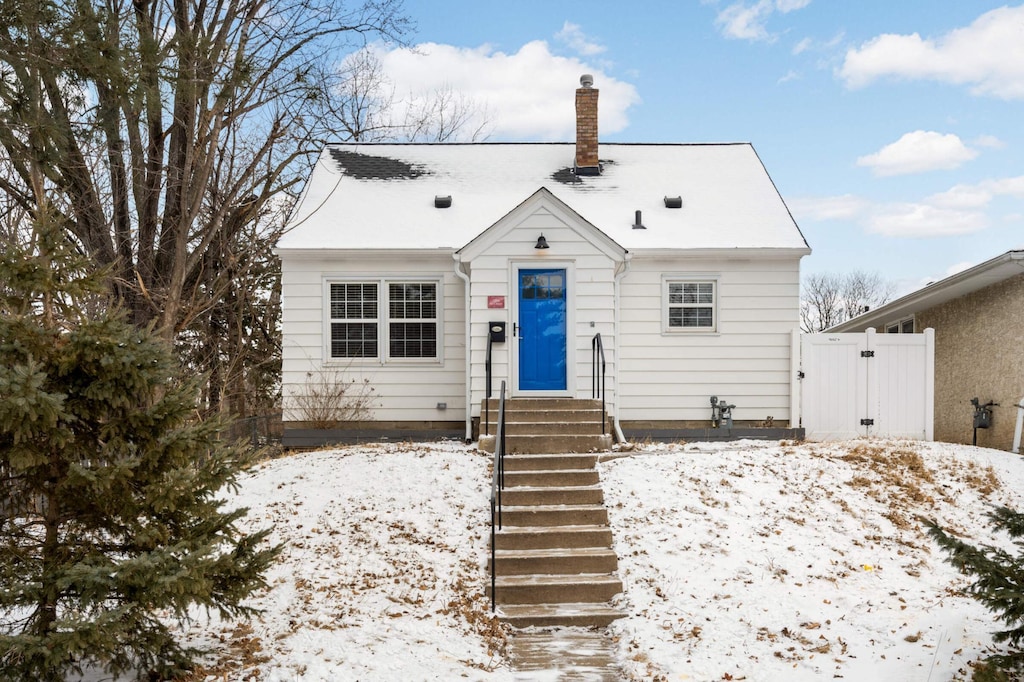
(867, 385)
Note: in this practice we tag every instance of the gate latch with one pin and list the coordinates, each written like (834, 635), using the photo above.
(867, 422)
(867, 353)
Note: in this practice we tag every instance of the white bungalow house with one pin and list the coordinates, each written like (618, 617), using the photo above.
(399, 259)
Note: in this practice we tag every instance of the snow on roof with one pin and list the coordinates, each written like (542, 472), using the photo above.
(381, 196)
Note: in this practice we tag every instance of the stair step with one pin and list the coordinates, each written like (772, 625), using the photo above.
(558, 479)
(547, 462)
(557, 443)
(555, 515)
(524, 495)
(548, 537)
(536, 427)
(538, 404)
(555, 561)
(549, 589)
(574, 614)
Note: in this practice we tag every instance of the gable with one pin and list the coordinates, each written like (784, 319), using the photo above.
(542, 210)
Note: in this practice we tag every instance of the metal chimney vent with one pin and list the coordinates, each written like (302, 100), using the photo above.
(638, 225)
(587, 80)
(442, 201)
(673, 202)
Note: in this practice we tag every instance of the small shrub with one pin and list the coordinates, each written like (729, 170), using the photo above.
(330, 399)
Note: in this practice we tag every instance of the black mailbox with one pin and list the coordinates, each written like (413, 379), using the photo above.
(497, 331)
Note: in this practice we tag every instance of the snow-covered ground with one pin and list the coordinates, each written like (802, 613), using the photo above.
(766, 561)
(747, 560)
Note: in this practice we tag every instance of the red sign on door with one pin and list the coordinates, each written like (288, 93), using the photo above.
(495, 301)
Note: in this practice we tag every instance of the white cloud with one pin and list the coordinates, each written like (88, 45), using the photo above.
(987, 56)
(990, 141)
(573, 36)
(748, 22)
(978, 195)
(918, 152)
(923, 220)
(528, 94)
(962, 209)
(791, 75)
(842, 207)
(802, 46)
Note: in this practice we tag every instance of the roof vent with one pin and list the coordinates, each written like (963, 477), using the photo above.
(673, 202)
(638, 225)
(587, 80)
(442, 201)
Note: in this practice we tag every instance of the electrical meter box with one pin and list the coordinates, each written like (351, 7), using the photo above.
(982, 418)
(497, 331)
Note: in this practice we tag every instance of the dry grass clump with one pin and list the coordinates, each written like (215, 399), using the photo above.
(890, 467)
(472, 606)
(240, 658)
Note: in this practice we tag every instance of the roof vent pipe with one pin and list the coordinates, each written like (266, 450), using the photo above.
(673, 202)
(442, 201)
(638, 225)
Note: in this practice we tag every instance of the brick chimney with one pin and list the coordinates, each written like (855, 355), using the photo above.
(586, 127)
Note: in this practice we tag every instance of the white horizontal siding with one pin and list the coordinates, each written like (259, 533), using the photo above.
(590, 288)
(746, 360)
(402, 391)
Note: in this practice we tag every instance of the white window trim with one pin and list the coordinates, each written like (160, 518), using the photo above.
(383, 320)
(691, 277)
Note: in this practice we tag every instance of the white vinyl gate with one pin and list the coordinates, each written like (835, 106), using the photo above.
(867, 385)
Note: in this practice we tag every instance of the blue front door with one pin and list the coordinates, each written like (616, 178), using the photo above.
(542, 326)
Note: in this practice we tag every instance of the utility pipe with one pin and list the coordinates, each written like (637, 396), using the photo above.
(618, 361)
(1020, 425)
(469, 351)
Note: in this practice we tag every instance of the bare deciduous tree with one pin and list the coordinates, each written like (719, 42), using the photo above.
(163, 127)
(171, 135)
(830, 299)
(372, 110)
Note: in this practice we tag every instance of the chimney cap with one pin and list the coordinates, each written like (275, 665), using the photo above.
(587, 80)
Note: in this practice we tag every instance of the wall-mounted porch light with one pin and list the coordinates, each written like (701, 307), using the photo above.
(542, 243)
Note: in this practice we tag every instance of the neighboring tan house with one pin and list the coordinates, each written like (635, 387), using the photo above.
(683, 257)
(978, 318)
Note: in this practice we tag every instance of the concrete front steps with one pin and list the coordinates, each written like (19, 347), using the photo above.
(555, 565)
(545, 425)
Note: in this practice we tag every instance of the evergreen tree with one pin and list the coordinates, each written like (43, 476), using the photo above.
(110, 519)
(998, 581)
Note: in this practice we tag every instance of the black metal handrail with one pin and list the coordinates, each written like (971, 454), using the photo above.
(497, 484)
(597, 390)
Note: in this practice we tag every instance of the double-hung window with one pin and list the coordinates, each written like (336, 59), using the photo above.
(383, 320)
(690, 305)
(354, 327)
(412, 326)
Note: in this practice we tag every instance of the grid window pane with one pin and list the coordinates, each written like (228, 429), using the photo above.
(353, 339)
(413, 340)
(691, 305)
(353, 301)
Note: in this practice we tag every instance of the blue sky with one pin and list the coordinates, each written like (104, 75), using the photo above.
(893, 130)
